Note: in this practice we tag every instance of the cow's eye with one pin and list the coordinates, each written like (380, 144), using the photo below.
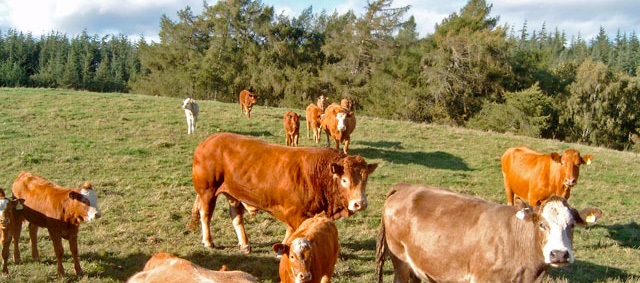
(542, 226)
(345, 182)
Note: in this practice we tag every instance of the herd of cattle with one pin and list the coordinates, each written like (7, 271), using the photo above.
(430, 234)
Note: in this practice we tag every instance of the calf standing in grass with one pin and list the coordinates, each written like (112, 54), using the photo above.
(247, 99)
(314, 116)
(58, 209)
(191, 110)
(291, 128)
(322, 102)
(8, 218)
(338, 123)
(309, 254)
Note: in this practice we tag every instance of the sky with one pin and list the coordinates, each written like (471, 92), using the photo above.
(137, 18)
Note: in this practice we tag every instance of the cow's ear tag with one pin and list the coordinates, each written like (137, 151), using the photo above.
(522, 213)
(19, 206)
(589, 162)
(591, 219)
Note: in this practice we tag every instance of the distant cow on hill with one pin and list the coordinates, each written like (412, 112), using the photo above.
(310, 253)
(322, 102)
(536, 176)
(290, 183)
(346, 104)
(436, 235)
(338, 123)
(314, 116)
(191, 110)
(291, 123)
(9, 210)
(247, 100)
(58, 209)
(166, 268)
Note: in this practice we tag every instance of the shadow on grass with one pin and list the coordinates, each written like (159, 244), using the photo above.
(358, 251)
(389, 151)
(254, 133)
(117, 267)
(627, 235)
(582, 271)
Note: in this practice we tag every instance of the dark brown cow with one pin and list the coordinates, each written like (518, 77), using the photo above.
(310, 253)
(9, 210)
(314, 116)
(536, 176)
(338, 124)
(58, 209)
(291, 123)
(436, 235)
(247, 99)
(166, 268)
(291, 183)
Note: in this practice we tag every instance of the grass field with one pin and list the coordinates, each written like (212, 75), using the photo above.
(135, 151)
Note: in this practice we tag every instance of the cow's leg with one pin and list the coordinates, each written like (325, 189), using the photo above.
(346, 146)
(58, 250)
(207, 205)
(337, 143)
(309, 126)
(73, 247)
(15, 234)
(236, 211)
(6, 242)
(508, 191)
(401, 270)
(33, 237)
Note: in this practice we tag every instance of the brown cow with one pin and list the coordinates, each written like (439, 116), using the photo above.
(536, 176)
(322, 101)
(247, 99)
(290, 183)
(58, 209)
(436, 235)
(310, 253)
(314, 116)
(291, 128)
(338, 124)
(9, 209)
(346, 104)
(166, 268)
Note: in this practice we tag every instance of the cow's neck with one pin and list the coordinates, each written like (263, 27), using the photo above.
(524, 240)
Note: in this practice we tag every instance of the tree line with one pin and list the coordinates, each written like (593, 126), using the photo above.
(470, 72)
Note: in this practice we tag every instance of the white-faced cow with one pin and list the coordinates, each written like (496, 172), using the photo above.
(58, 209)
(338, 123)
(536, 176)
(191, 110)
(290, 183)
(436, 235)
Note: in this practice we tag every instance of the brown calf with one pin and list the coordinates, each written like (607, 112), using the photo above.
(291, 128)
(322, 101)
(338, 124)
(314, 116)
(9, 209)
(58, 209)
(247, 99)
(310, 253)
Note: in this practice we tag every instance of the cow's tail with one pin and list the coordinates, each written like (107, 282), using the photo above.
(195, 215)
(381, 242)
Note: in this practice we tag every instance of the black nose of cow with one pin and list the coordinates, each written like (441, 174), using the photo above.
(559, 256)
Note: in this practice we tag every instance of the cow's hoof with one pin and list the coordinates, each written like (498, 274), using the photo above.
(208, 245)
(245, 249)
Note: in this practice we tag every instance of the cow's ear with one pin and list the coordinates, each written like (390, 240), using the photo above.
(280, 248)
(87, 186)
(337, 169)
(75, 195)
(524, 210)
(556, 157)
(586, 217)
(371, 167)
(18, 203)
(350, 114)
(587, 159)
(299, 116)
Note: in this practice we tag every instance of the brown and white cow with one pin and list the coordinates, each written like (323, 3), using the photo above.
(314, 116)
(9, 210)
(536, 176)
(322, 102)
(338, 124)
(247, 99)
(436, 235)
(58, 209)
(166, 268)
(191, 110)
(291, 123)
(310, 254)
(290, 183)
(346, 104)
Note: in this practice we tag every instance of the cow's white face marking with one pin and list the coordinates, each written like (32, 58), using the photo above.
(341, 125)
(299, 260)
(559, 224)
(93, 211)
(3, 206)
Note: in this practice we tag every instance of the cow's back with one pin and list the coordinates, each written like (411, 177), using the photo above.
(525, 170)
(40, 195)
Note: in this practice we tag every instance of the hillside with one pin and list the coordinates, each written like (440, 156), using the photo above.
(136, 152)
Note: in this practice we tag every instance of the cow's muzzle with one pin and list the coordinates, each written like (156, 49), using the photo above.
(559, 257)
(357, 205)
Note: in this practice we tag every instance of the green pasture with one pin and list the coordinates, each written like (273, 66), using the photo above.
(136, 152)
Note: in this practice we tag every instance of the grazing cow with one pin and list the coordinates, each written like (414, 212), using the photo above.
(9, 208)
(346, 104)
(166, 268)
(314, 116)
(338, 124)
(536, 176)
(291, 128)
(58, 209)
(247, 100)
(290, 183)
(437, 235)
(191, 110)
(322, 101)
(310, 253)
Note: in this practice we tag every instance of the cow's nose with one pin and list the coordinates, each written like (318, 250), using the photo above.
(570, 181)
(358, 205)
(558, 256)
(304, 276)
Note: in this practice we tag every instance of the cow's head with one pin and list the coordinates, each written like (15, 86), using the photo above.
(293, 119)
(297, 258)
(322, 100)
(346, 104)
(554, 221)
(351, 173)
(251, 99)
(7, 207)
(570, 162)
(341, 117)
(187, 103)
(86, 202)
